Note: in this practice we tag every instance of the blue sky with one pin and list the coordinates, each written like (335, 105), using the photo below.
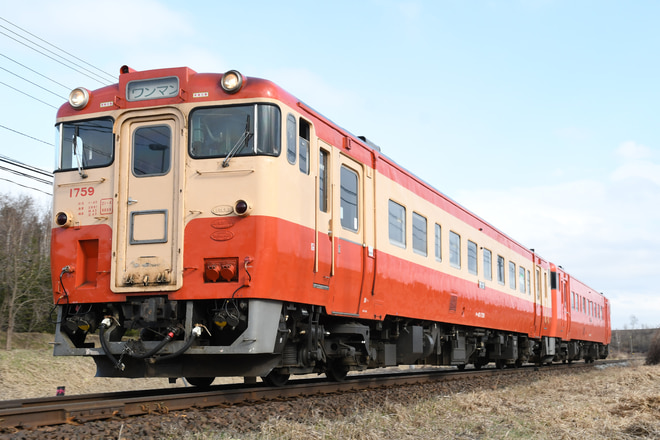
(538, 115)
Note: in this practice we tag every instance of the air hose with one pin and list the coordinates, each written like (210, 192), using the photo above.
(106, 324)
(196, 333)
(170, 335)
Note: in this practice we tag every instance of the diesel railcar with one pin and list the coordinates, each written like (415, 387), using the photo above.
(214, 225)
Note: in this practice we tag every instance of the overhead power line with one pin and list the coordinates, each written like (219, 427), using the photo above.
(27, 94)
(35, 72)
(110, 77)
(77, 68)
(33, 83)
(21, 171)
(26, 186)
(25, 166)
(26, 135)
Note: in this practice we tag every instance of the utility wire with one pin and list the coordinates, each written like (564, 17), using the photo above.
(34, 71)
(19, 173)
(102, 81)
(27, 94)
(26, 135)
(25, 166)
(34, 84)
(25, 186)
(111, 77)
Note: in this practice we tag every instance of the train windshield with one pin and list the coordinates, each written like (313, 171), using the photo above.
(85, 144)
(238, 130)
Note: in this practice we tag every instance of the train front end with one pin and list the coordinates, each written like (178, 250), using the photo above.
(162, 241)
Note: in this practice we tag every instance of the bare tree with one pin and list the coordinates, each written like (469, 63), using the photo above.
(25, 286)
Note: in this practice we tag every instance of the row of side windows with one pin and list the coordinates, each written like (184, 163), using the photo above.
(397, 234)
(582, 304)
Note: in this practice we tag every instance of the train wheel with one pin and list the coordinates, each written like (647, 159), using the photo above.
(500, 364)
(201, 382)
(461, 367)
(336, 373)
(275, 379)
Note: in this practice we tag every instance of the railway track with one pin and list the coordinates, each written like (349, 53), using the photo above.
(32, 413)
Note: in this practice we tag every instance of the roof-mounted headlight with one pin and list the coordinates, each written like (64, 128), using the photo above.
(78, 98)
(231, 81)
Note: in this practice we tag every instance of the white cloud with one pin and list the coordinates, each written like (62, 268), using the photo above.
(121, 22)
(633, 150)
(604, 232)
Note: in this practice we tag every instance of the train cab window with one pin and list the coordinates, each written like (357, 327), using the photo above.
(488, 264)
(291, 147)
(438, 242)
(323, 180)
(521, 279)
(303, 151)
(454, 249)
(472, 257)
(152, 150)
(237, 130)
(85, 144)
(397, 224)
(500, 269)
(419, 234)
(512, 275)
(349, 199)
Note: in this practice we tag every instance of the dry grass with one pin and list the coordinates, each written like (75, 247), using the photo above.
(33, 371)
(603, 403)
(609, 403)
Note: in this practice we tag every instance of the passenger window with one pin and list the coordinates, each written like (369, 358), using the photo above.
(529, 283)
(304, 147)
(454, 249)
(397, 224)
(472, 257)
(438, 242)
(521, 279)
(488, 264)
(323, 181)
(349, 199)
(500, 269)
(291, 139)
(419, 234)
(512, 275)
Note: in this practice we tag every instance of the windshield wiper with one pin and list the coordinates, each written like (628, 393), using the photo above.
(79, 157)
(240, 144)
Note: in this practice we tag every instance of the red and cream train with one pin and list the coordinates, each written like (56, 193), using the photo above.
(212, 225)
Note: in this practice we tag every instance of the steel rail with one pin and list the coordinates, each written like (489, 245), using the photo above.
(32, 413)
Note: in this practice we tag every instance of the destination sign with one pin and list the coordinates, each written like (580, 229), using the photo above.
(155, 88)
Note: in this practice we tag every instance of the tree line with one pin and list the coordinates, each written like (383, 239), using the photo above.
(26, 299)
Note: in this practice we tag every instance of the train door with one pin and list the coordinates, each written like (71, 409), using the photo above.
(147, 226)
(563, 309)
(538, 295)
(348, 231)
(324, 258)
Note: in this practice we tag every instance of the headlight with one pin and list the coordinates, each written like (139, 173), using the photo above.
(79, 98)
(241, 207)
(63, 219)
(231, 81)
